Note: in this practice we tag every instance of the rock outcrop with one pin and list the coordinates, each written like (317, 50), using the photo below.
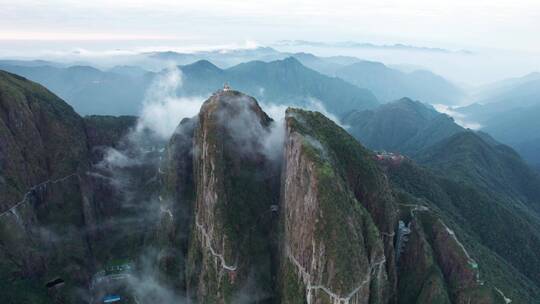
(436, 267)
(333, 216)
(43, 160)
(236, 184)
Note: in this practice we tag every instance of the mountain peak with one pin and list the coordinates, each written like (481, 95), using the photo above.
(230, 104)
(201, 65)
(407, 100)
(289, 62)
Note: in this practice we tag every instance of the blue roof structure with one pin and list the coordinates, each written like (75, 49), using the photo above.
(111, 299)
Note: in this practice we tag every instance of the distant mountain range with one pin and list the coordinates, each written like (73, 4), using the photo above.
(404, 126)
(89, 90)
(122, 89)
(390, 84)
(365, 45)
(509, 110)
(222, 58)
(386, 83)
(285, 82)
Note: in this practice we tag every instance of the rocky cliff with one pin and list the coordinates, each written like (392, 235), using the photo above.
(43, 158)
(236, 186)
(332, 248)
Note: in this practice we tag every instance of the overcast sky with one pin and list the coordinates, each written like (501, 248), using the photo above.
(503, 35)
(507, 24)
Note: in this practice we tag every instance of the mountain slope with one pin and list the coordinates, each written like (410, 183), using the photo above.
(498, 179)
(235, 186)
(282, 82)
(497, 168)
(43, 155)
(525, 93)
(89, 90)
(389, 84)
(35, 129)
(404, 126)
(335, 203)
(509, 112)
(62, 218)
(480, 220)
(487, 92)
(518, 128)
(343, 174)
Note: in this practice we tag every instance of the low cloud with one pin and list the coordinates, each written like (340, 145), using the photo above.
(459, 118)
(116, 158)
(162, 108)
(315, 104)
(247, 131)
(147, 287)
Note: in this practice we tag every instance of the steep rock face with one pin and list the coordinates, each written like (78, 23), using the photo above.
(55, 208)
(179, 160)
(42, 241)
(43, 158)
(177, 203)
(235, 187)
(420, 279)
(335, 218)
(435, 267)
(36, 129)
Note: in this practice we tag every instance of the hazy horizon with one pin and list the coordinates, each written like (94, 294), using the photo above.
(499, 34)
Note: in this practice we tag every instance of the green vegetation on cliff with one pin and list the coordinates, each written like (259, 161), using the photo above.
(345, 183)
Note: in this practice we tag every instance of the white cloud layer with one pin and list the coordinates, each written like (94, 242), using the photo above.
(459, 118)
(163, 109)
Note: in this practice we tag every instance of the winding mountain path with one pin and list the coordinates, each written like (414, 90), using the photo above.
(336, 299)
(13, 208)
(471, 261)
(208, 242)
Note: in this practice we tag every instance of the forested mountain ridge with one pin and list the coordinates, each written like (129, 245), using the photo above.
(404, 126)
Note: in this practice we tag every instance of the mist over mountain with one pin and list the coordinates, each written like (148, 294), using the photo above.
(121, 90)
(235, 206)
(509, 112)
(386, 83)
(269, 152)
(353, 44)
(222, 58)
(389, 84)
(105, 87)
(493, 92)
(89, 90)
(282, 82)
